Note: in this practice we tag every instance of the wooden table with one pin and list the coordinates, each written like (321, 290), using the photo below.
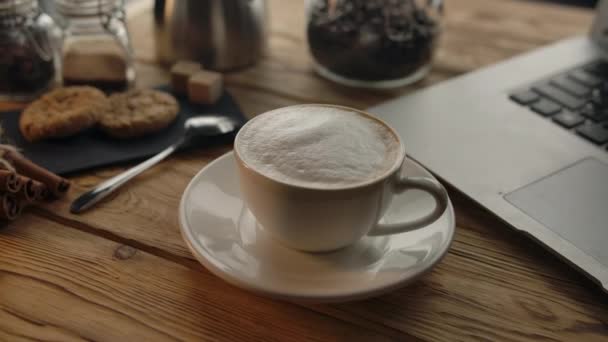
(122, 271)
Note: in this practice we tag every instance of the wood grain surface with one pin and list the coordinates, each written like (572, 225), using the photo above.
(122, 271)
(70, 285)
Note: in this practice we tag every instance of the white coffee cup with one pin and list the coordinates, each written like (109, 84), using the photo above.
(316, 220)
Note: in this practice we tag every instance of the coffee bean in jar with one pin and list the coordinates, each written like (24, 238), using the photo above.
(24, 72)
(28, 50)
(373, 43)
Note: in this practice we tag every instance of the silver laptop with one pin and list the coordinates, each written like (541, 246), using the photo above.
(527, 139)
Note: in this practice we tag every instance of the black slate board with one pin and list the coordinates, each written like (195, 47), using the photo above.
(93, 149)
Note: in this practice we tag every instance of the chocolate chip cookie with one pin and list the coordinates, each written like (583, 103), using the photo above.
(62, 112)
(138, 112)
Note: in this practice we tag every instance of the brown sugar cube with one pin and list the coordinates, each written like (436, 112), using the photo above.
(180, 73)
(205, 87)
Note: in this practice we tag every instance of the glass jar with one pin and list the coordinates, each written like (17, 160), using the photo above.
(96, 45)
(373, 43)
(29, 50)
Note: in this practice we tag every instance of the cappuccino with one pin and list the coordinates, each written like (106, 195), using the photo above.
(318, 146)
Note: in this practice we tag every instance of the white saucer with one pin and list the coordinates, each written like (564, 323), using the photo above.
(223, 235)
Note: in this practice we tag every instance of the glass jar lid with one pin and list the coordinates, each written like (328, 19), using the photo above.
(87, 8)
(16, 12)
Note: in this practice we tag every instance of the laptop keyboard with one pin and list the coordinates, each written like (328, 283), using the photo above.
(576, 100)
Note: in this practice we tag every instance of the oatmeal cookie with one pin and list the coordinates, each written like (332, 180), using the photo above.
(138, 112)
(62, 112)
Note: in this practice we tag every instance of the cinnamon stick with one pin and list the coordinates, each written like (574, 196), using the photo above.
(10, 182)
(56, 185)
(41, 191)
(11, 208)
(30, 191)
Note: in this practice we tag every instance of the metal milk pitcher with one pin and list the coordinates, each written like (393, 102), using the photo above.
(222, 34)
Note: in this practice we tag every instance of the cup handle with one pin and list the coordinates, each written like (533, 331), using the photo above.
(429, 185)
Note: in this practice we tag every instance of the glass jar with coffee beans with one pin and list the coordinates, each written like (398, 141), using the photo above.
(29, 50)
(373, 43)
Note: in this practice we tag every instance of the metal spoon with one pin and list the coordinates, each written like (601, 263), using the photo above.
(198, 126)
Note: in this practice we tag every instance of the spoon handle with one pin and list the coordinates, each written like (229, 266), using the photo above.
(101, 191)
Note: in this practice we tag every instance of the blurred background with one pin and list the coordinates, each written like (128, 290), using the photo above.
(581, 3)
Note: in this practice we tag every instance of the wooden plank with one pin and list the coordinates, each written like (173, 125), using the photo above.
(473, 293)
(57, 283)
(285, 77)
(145, 210)
(493, 285)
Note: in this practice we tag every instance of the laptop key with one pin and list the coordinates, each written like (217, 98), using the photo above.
(594, 113)
(568, 85)
(559, 96)
(585, 78)
(603, 89)
(599, 69)
(594, 132)
(568, 119)
(546, 107)
(597, 98)
(525, 97)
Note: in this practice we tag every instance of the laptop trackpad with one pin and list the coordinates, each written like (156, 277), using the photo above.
(573, 203)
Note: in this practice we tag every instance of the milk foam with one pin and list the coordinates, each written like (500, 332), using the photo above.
(318, 146)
